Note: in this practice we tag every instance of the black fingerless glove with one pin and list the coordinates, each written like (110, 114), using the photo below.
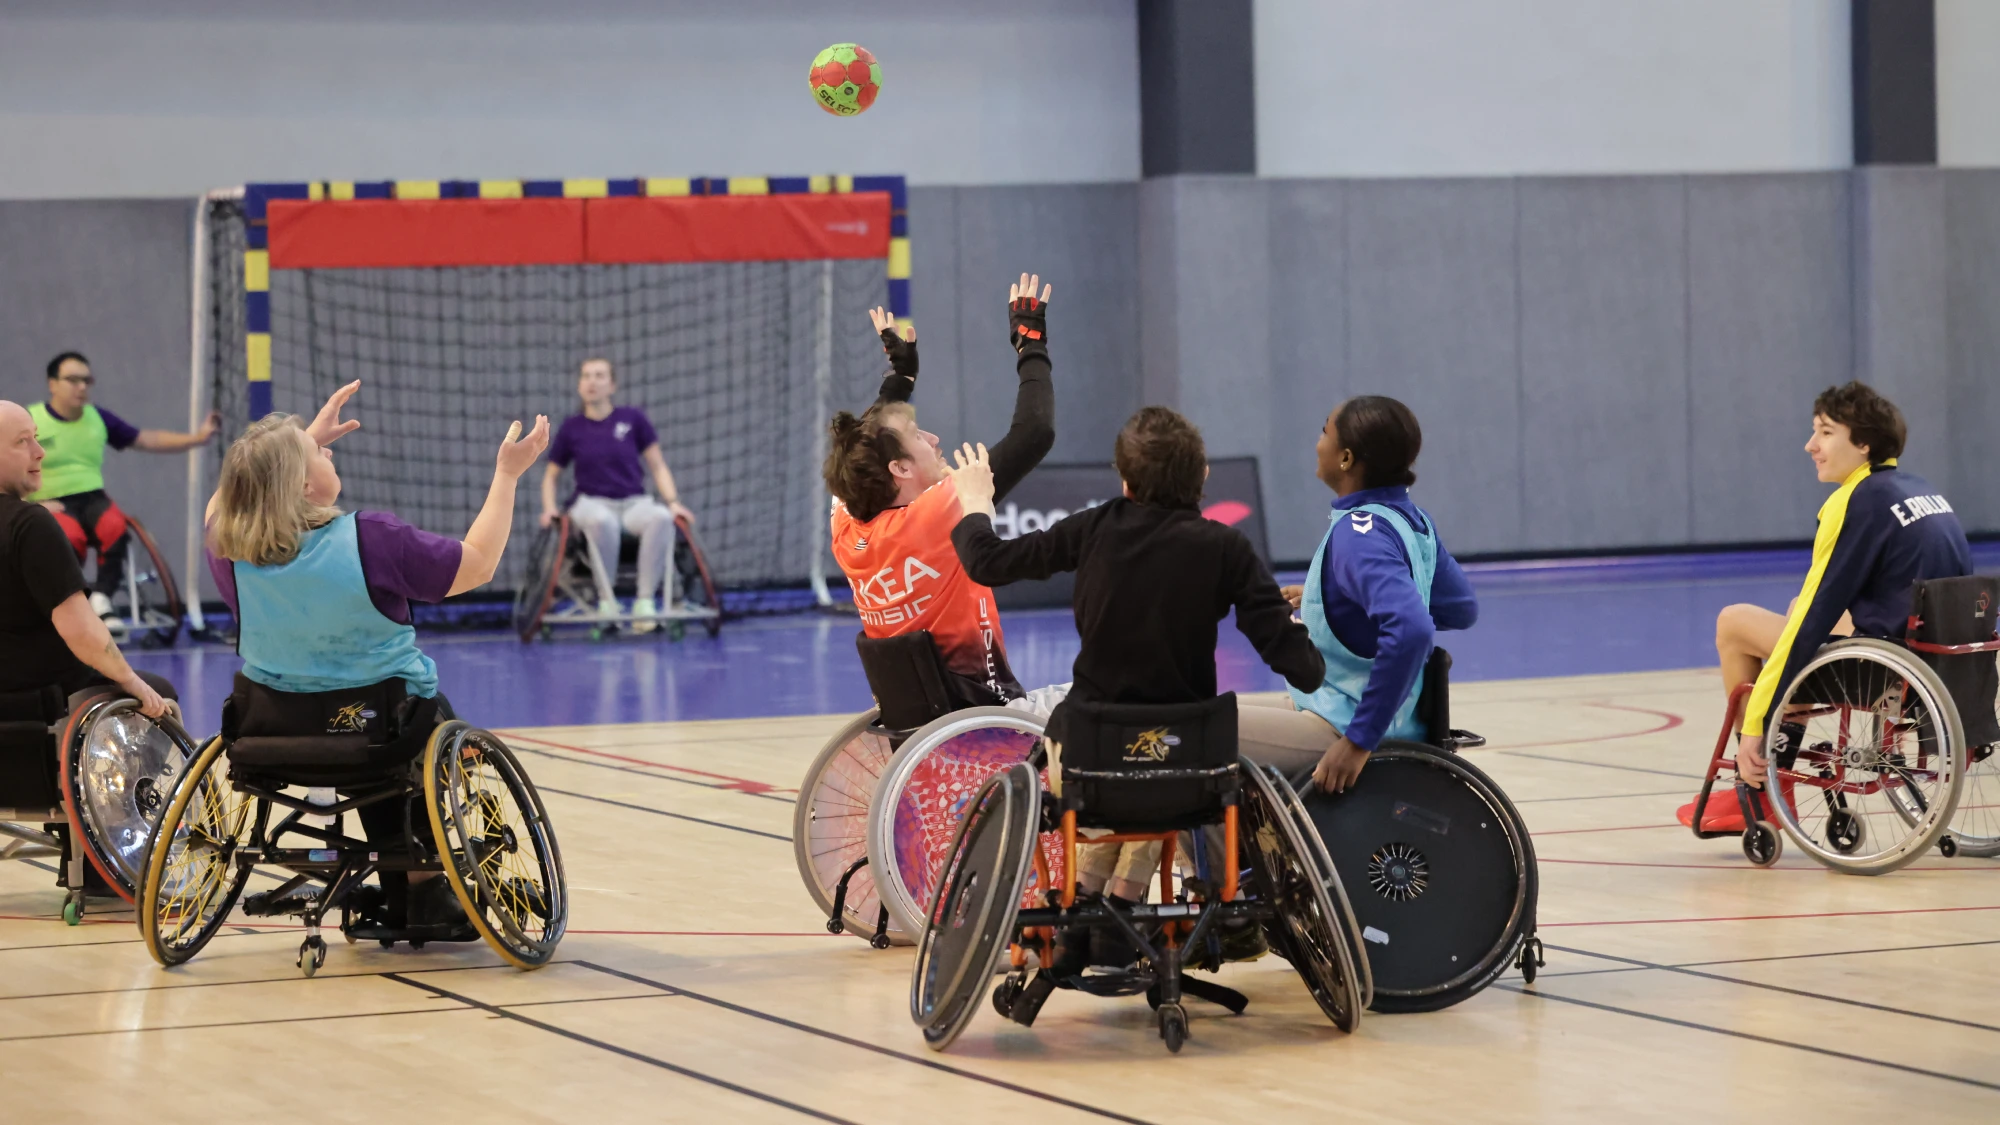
(902, 354)
(1028, 325)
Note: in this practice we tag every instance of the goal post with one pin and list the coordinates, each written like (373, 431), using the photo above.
(732, 311)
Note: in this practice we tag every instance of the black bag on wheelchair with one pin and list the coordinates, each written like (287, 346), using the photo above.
(1961, 611)
(27, 750)
(326, 736)
(912, 684)
(1147, 767)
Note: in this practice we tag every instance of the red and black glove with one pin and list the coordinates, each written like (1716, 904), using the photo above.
(902, 353)
(1028, 325)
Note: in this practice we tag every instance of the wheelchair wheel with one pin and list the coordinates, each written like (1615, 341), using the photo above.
(920, 801)
(830, 825)
(117, 770)
(153, 608)
(538, 587)
(1877, 773)
(1443, 871)
(1335, 890)
(970, 921)
(193, 877)
(1311, 933)
(1975, 827)
(498, 848)
(697, 584)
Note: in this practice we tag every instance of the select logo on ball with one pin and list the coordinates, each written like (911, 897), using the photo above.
(845, 79)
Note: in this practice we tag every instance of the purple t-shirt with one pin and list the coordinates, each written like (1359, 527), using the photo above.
(402, 564)
(606, 451)
(118, 433)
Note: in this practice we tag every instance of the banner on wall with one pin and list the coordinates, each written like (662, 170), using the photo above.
(1054, 491)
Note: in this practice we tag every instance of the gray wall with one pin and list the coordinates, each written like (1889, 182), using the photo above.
(109, 279)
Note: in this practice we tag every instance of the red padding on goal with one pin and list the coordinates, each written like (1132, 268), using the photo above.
(736, 228)
(390, 233)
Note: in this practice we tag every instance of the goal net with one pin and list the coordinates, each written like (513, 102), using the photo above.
(734, 315)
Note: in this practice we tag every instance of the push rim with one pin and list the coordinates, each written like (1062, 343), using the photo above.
(494, 839)
(192, 874)
(118, 768)
(1335, 889)
(1883, 738)
(1308, 923)
(535, 597)
(830, 824)
(161, 618)
(686, 529)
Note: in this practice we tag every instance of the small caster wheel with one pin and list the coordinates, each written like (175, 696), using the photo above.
(1173, 1026)
(351, 939)
(548, 632)
(418, 944)
(72, 913)
(1762, 845)
(1845, 831)
(312, 954)
(879, 941)
(1004, 995)
(388, 943)
(1531, 961)
(1947, 846)
(835, 925)
(596, 634)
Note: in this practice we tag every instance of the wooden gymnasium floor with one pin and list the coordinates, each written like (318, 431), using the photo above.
(697, 984)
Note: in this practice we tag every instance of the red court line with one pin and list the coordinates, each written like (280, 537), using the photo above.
(707, 933)
(1671, 721)
(1737, 866)
(742, 784)
(1622, 828)
(1773, 917)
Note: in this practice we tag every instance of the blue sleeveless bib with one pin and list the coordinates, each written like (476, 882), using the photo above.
(1339, 695)
(308, 625)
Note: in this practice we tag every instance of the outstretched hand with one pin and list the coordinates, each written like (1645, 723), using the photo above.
(516, 455)
(899, 341)
(327, 427)
(1028, 315)
(972, 476)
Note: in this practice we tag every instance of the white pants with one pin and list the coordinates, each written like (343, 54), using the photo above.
(646, 519)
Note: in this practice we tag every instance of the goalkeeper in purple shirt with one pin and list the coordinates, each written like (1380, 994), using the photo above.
(614, 448)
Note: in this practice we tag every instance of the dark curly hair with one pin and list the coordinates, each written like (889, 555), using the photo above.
(1383, 435)
(1871, 420)
(1161, 458)
(858, 454)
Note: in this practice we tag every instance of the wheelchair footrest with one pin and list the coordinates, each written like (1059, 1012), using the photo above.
(377, 931)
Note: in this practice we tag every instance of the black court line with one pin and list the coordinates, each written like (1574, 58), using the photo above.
(1806, 1047)
(1602, 797)
(644, 773)
(292, 977)
(225, 1023)
(624, 1052)
(663, 812)
(918, 1060)
(1835, 953)
(1596, 765)
(1636, 963)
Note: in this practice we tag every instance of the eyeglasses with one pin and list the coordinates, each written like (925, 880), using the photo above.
(78, 380)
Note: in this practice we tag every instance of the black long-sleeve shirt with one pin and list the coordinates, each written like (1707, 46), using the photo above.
(1152, 584)
(1029, 437)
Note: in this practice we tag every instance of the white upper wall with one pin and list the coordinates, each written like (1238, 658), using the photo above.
(172, 97)
(1968, 45)
(1551, 87)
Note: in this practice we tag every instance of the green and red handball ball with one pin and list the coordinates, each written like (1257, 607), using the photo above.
(845, 79)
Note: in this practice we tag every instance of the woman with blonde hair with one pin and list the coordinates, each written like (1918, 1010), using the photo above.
(322, 597)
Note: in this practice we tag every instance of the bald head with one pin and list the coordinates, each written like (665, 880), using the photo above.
(20, 453)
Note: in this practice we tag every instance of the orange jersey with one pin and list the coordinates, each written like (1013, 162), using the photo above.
(906, 576)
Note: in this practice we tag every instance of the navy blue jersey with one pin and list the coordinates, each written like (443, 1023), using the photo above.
(1881, 530)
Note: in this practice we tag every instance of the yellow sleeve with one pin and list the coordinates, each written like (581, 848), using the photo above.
(1832, 516)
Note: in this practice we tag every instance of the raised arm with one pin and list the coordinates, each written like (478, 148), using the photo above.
(899, 343)
(992, 561)
(487, 539)
(1033, 431)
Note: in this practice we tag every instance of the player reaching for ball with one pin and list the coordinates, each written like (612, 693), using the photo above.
(894, 508)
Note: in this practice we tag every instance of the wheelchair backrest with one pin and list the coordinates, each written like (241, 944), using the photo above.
(376, 714)
(910, 682)
(1148, 767)
(28, 766)
(1434, 701)
(1960, 611)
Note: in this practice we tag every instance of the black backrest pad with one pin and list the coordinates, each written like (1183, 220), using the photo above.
(1434, 700)
(378, 712)
(1957, 611)
(1137, 740)
(28, 765)
(911, 685)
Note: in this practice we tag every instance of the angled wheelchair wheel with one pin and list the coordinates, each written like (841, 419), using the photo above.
(1335, 889)
(498, 848)
(153, 608)
(117, 770)
(538, 587)
(697, 583)
(1311, 932)
(830, 825)
(1876, 777)
(970, 921)
(193, 874)
(920, 801)
(1975, 827)
(1443, 871)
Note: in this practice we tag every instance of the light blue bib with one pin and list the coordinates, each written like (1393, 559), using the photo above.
(1339, 695)
(308, 625)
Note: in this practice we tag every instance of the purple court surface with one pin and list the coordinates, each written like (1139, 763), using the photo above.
(1537, 618)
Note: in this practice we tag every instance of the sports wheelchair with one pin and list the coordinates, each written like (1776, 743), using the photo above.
(237, 810)
(1873, 743)
(81, 778)
(1144, 773)
(917, 697)
(147, 606)
(560, 588)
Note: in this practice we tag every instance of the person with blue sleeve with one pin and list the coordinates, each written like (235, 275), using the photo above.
(1380, 587)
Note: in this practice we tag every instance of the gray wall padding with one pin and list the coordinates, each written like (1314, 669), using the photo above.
(1972, 208)
(107, 278)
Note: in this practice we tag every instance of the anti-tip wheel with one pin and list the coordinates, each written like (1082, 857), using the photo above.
(1947, 845)
(1173, 1026)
